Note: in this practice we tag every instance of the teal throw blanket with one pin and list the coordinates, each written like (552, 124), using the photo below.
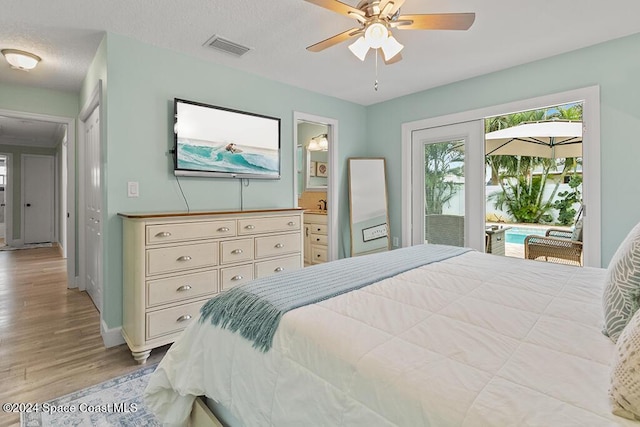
(255, 308)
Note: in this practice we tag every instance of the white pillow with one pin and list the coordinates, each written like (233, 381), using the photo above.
(621, 296)
(624, 393)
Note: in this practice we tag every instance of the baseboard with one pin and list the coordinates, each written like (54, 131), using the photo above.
(15, 243)
(111, 337)
(73, 283)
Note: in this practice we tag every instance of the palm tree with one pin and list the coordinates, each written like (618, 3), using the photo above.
(443, 161)
(523, 195)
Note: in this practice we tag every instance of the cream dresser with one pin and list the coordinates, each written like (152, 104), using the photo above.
(173, 263)
(315, 238)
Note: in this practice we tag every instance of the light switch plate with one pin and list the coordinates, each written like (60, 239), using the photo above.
(132, 189)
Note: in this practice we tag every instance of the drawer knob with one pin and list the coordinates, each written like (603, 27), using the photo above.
(184, 258)
(279, 269)
(163, 234)
(183, 288)
(279, 245)
(318, 255)
(183, 318)
(317, 239)
(223, 229)
(237, 277)
(291, 223)
(318, 229)
(236, 251)
(250, 227)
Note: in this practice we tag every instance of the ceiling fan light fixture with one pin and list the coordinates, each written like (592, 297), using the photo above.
(20, 59)
(391, 47)
(359, 48)
(376, 34)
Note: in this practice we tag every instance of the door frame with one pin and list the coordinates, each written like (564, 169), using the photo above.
(70, 123)
(591, 185)
(332, 181)
(56, 215)
(8, 199)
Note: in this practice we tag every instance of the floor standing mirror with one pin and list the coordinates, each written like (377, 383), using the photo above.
(368, 206)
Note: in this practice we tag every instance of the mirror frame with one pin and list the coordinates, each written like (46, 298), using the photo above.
(353, 185)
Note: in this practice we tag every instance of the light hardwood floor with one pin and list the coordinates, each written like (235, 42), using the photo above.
(50, 343)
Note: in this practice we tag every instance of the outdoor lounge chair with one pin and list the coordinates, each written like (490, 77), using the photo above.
(444, 229)
(557, 245)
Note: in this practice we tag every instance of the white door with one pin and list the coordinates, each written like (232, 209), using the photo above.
(448, 185)
(38, 198)
(93, 209)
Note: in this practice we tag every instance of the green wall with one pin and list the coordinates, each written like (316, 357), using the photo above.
(41, 101)
(142, 82)
(615, 66)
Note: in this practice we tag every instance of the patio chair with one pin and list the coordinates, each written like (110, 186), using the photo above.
(444, 229)
(557, 245)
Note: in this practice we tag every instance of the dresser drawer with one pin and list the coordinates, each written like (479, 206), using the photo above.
(187, 286)
(318, 239)
(318, 228)
(236, 251)
(268, 225)
(274, 266)
(176, 258)
(269, 246)
(171, 320)
(318, 253)
(166, 233)
(234, 276)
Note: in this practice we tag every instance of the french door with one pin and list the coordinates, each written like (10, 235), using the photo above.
(447, 191)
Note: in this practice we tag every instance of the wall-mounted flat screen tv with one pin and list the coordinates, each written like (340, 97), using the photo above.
(221, 142)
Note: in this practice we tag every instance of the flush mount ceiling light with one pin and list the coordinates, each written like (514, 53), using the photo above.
(20, 59)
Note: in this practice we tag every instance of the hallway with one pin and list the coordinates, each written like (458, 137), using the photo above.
(50, 342)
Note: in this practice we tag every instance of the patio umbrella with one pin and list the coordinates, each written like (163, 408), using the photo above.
(550, 139)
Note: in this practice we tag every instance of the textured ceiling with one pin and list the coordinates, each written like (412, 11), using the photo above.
(28, 132)
(505, 33)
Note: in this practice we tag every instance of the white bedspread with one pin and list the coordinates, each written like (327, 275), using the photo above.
(476, 340)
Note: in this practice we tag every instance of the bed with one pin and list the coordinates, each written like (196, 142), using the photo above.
(471, 340)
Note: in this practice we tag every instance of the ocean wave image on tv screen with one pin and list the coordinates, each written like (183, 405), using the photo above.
(242, 159)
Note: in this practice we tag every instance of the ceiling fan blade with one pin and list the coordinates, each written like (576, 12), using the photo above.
(388, 11)
(393, 60)
(337, 6)
(436, 21)
(331, 41)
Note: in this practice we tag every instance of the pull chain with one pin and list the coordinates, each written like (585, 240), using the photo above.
(375, 84)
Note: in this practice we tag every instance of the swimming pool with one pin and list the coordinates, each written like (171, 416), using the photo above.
(518, 234)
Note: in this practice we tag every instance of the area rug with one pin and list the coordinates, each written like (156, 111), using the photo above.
(29, 246)
(117, 402)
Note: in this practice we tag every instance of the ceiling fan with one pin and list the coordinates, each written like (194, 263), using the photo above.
(377, 18)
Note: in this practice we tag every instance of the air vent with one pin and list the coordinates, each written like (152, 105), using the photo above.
(227, 46)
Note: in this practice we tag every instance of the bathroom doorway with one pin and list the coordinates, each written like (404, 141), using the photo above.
(315, 178)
